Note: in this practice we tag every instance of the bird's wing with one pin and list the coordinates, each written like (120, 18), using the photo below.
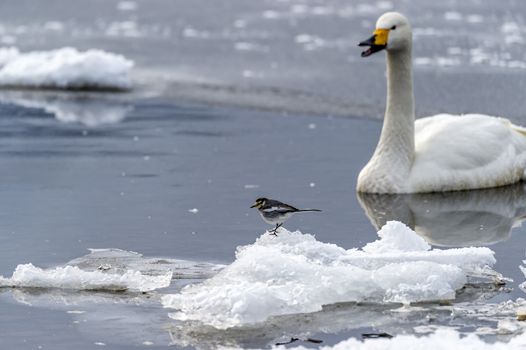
(277, 205)
(284, 208)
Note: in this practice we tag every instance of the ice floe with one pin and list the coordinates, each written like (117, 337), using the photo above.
(65, 68)
(338, 318)
(294, 273)
(110, 270)
(119, 261)
(71, 277)
(442, 339)
(522, 267)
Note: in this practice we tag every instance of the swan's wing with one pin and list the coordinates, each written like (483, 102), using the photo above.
(461, 142)
(470, 151)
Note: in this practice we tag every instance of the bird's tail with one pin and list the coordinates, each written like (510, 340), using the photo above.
(309, 210)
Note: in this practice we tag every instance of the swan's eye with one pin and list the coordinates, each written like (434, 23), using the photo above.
(393, 27)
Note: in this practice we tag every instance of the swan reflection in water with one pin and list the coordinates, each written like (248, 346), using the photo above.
(452, 219)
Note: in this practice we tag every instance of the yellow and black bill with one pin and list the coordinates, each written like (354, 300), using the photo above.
(376, 43)
(255, 205)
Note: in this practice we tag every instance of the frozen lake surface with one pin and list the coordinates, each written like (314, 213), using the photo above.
(232, 101)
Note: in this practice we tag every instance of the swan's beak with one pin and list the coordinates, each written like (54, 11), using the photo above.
(376, 43)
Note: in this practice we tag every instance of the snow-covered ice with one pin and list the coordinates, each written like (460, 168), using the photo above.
(523, 270)
(294, 273)
(71, 277)
(65, 68)
(442, 339)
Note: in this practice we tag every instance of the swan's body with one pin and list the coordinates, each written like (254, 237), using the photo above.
(439, 153)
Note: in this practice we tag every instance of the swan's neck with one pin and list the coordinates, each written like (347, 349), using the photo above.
(397, 141)
(389, 168)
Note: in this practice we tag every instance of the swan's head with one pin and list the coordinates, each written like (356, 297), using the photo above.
(392, 33)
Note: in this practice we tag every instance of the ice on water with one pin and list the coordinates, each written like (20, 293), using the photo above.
(111, 270)
(118, 261)
(295, 273)
(72, 277)
(442, 339)
(65, 68)
(405, 240)
(44, 80)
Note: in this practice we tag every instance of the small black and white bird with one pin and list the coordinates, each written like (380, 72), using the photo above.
(275, 212)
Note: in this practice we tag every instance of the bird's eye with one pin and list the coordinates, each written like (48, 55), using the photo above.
(393, 27)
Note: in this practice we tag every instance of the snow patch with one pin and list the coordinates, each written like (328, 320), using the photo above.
(127, 6)
(65, 68)
(522, 267)
(396, 237)
(294, 273)
(71, 277)
(442, 339)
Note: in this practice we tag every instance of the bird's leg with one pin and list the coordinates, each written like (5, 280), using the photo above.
(275, 230)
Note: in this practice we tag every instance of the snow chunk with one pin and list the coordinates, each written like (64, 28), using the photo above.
(442, 339)
(65, 68)
(294, 273)
(396, 237)
(126, 6)
(71, 277)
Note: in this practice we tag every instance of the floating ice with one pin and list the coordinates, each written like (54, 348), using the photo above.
(71, 277)
(452, 16)
(65, 68)
(126, 6)
(522, 267)
(294, 273)
(442, 339)
(119, 261)
(396, 237)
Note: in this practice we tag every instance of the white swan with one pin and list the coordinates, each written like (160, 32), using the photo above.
(439, 153)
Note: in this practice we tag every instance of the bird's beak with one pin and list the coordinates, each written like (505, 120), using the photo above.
(376, 43)
(254, 205)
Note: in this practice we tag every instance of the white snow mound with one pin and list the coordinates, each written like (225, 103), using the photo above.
(65, 68)
(295, 273)
(71, 277)
(396, 237)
